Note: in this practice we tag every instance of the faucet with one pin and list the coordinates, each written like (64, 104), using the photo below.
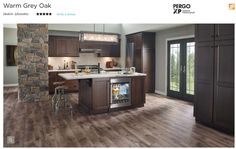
(98, 67)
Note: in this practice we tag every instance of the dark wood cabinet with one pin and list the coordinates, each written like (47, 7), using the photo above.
(52, 78)
(224, 31)
(71, 84)
(140, 53)
(211, 32)
(63, 46)
(112, 50)
(94, 95)
(204, 82)
(204, 32)
(223, 115)
(52, 46)
(137, 91)
(66, 46)
(214, 103)
(101, 92)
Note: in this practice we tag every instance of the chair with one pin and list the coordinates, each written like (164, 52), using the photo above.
(60, 98)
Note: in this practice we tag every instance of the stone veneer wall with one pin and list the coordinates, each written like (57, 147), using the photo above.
(32, 61)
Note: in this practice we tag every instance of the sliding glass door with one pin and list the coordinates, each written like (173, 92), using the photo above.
(181, 69)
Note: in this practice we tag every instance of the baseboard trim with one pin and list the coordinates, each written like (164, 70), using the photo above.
(10, 85)
(159, 92)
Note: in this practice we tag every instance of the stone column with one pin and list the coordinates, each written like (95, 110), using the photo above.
(32, 61)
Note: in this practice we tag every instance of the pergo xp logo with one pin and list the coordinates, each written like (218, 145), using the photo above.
(182, 8)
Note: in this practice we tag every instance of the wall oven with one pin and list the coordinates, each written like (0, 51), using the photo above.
(120, 92)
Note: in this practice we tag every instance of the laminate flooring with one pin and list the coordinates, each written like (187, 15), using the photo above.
(162, 122)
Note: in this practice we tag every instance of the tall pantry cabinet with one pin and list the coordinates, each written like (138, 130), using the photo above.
(214, 99)
(140, 53)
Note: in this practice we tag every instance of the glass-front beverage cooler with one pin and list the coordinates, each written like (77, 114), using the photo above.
(120, 92)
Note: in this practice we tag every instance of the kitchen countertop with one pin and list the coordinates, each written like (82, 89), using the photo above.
(61, 70)
(73, 76)
(65, 70)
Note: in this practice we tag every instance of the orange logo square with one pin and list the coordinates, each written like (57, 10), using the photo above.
(231, 6)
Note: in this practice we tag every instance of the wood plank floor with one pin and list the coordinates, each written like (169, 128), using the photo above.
(161, 123)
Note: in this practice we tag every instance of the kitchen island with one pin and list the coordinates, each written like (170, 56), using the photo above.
(104, 92)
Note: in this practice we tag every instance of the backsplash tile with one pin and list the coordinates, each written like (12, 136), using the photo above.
(84, 59)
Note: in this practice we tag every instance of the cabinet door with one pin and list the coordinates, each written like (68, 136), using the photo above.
(52, 79)
(204, 61)
(138, 64)
(100, 93)
(67, 46)
(138, 40)
(148, 68)
(72, 49)
(138, 91)
(110, 50)
(51, 47)
(204, 32)
(115, 50)
(105, 50)
(224, 31)
(224, 85)
(61, 45)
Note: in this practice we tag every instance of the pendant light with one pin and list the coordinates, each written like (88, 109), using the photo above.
(100, 37)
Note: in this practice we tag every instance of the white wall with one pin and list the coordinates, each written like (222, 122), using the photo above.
(10, 72)
(161, 53)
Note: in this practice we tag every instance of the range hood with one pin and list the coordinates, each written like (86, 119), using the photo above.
(84, 50)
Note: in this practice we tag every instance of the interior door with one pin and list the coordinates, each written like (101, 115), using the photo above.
(181, 69)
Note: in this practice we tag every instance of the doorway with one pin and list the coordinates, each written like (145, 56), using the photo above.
(180, 71)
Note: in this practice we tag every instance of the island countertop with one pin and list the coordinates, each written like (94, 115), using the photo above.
(73, 76)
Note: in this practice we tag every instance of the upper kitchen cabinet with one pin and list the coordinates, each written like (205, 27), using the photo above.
(224, 31)
(110, 50)
(211, 32)
(51, 46)
(140, 53)
(63, 46)
(204, 32)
